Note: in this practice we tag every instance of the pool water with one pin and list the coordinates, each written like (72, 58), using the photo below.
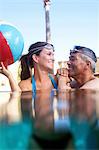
(56, 120)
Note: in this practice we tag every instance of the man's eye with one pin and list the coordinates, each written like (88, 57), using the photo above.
(49, 53)
(71, 58)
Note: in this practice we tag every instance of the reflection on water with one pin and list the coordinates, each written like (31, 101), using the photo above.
(51, 120)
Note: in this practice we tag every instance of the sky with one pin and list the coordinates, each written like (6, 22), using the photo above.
(72, 22)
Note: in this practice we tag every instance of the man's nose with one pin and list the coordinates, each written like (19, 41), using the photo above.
(68, 62)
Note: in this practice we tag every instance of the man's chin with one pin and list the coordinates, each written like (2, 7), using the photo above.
(70, 74)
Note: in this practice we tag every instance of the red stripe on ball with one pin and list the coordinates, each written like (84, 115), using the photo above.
(5, 53)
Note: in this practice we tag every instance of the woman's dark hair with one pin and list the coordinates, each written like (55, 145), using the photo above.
(36, 48)
(25, 71)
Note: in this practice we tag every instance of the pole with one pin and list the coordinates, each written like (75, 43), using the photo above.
(47, 20)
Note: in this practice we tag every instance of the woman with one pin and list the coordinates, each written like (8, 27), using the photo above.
(41, 58)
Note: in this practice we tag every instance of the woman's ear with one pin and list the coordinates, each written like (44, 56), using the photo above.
(35, 58)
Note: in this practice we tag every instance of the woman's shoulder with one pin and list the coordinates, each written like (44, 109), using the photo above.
(25, 85)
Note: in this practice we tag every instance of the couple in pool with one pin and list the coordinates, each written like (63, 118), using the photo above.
(40, 63)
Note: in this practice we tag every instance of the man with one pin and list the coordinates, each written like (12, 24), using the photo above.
(81, 67)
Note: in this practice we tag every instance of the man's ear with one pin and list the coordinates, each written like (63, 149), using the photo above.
(88, 63)
(35, 58)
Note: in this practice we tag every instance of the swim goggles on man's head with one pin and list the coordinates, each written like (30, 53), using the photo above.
(76, 49)
(85, 51)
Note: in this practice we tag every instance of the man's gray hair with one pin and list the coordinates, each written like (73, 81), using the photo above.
(93, 64)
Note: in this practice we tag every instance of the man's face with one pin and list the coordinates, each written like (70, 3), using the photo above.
(76, 65)
(46, 60)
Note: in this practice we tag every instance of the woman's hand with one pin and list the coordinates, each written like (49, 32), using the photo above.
(63, 78)
(14, 86)
(4, 70)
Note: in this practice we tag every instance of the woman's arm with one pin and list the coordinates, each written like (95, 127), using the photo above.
(14, 86)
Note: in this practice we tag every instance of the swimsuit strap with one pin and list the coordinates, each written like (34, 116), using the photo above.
(53, 81)
(34, 84)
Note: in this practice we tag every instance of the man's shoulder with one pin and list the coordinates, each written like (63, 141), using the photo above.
(95, 80)
(92, 84)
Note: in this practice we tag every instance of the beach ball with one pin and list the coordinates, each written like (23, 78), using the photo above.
(11, 44)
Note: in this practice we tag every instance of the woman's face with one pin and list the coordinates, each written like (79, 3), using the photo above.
(46, 60)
